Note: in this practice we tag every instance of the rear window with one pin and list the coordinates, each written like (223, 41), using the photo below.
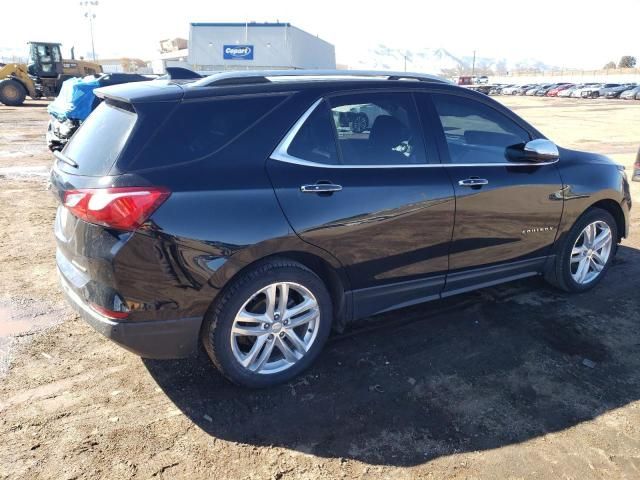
(196, 130)
(98, 142)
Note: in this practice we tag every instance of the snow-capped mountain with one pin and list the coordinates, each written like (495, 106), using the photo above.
(439, 61)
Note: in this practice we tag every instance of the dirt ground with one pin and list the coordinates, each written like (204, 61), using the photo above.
(516, 381)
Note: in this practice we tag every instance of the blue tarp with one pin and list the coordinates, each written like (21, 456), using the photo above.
(75, 100)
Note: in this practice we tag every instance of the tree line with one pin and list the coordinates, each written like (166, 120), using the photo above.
(626, 61)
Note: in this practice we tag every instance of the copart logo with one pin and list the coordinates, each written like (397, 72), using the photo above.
(527, 231)
(237, 52)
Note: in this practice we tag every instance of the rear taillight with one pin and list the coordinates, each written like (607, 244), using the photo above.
(123, 208)
(109, 313)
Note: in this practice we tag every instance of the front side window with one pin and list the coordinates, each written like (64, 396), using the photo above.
(475, 132)
(378, 129)
(316, 140)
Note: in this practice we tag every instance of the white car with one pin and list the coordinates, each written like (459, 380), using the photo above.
(577, 93)
(510, 90)
(357, 118)
(568, 92)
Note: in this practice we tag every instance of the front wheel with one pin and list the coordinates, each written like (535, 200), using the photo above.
(269, 325)
(12, 93)
(587, 252)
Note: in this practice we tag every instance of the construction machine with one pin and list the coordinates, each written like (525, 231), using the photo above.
(42, 76)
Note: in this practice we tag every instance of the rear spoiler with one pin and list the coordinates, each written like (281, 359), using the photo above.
(141, 92)
(180, 73)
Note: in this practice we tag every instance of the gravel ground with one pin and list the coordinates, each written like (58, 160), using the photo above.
(516, 381)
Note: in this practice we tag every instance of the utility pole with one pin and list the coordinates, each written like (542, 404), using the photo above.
(88, 6)
(473, 65)
(405, 60)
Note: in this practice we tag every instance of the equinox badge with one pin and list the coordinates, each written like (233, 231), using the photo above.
(527, 231)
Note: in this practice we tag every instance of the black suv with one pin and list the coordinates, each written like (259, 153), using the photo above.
(248, 212)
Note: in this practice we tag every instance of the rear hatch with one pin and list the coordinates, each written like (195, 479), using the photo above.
(99, 206)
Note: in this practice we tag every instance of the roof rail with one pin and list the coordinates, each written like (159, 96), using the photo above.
(262, 76)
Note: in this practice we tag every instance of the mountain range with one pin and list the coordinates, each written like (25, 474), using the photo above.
(440, 61)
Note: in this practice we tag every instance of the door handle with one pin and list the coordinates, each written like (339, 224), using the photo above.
(321, 188)
(473, 182)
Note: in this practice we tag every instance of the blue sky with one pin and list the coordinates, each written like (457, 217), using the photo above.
(570, 33)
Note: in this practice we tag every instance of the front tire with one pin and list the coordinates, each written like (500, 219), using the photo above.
(587, 252)
(12, 93)
(269, 324)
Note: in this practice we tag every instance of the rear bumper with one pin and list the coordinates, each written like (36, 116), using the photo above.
(161, 339)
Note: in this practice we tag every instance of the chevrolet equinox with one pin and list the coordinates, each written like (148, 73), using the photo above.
(254, 212)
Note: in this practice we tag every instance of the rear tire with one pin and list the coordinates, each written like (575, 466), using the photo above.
(12, 93)
(578, 251)
(257, 346)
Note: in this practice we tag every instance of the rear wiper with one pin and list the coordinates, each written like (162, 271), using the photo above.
(63, 158)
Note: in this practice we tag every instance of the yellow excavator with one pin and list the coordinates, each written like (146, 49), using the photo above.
(42, 76)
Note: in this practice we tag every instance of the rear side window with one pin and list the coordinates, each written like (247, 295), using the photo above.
(475, 132)
(98, 142)
(196, 130)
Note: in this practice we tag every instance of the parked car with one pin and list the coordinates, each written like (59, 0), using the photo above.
(568, 92)
(356, 118)
(532, 91)
(615, 92)
(233, 211)
(578, 92)
(596, 91)
(76, 101)
(541, 92)
(630, 94)
(510, 90)
(498, 89)
(554, 92)
(523, 89)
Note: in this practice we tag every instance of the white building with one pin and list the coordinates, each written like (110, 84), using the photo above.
(248, 46)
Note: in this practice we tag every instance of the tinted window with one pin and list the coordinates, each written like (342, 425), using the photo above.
(198, 129)
(476, 133)
(99, 141)
(378, 129)
(315, 141)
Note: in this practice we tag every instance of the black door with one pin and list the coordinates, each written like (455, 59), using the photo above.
(355, 178)
(506, 212)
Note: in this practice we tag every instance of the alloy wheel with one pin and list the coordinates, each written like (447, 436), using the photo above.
(275, 328)
(591, 252)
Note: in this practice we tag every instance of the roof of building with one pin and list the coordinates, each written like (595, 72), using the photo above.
(240, 24)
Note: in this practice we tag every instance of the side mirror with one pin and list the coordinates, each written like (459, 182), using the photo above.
(534, 151)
